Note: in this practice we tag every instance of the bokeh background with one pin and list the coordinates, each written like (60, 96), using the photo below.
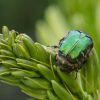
(47, 21)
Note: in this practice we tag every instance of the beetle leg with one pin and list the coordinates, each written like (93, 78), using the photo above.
(64, 69)
(78, 62)
(76, 72)
(82, 53)
(54, 46)
(61, 41)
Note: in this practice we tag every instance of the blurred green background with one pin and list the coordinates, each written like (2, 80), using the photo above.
(44, 20)
(22, 15)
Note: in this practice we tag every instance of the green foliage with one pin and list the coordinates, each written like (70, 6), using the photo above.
(66, 16)
(34, 70)
(78, 15)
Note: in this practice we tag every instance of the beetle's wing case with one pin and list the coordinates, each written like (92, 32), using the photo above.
(82, 45)
(69, 42)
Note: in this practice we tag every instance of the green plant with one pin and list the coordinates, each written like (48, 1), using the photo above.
(67, 16)
(31, 67)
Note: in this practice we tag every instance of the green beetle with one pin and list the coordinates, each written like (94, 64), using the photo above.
(74, 50)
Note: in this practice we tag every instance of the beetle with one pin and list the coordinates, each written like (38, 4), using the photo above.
(73, 50)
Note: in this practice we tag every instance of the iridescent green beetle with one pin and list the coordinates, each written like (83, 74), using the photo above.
(74, 50)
